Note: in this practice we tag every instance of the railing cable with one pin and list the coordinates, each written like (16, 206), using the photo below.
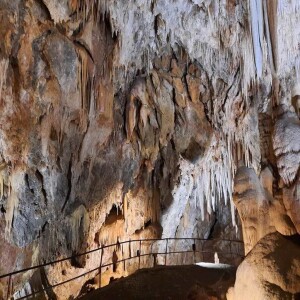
(118, 245)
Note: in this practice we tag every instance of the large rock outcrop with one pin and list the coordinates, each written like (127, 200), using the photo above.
(286, 142)
(259, 211)
(268, 272)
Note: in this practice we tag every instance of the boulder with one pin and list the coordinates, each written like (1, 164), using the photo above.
(268, 272)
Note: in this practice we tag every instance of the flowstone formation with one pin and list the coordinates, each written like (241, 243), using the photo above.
(260, 213)
(267, 272)
(143, 119)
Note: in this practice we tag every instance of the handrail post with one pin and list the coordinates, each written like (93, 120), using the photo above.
(139, 254)
(124, 267)
(124, 262)
(8, 287)
(234, 251)
(100, 267)
(154, 259)
(167, 240)
(194, 250)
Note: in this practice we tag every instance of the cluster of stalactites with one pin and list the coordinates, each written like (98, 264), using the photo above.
(85, 7)
(214, 179)
(269, 45)
(275, 45)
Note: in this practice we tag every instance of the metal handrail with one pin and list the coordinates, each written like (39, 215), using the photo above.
(139, 255)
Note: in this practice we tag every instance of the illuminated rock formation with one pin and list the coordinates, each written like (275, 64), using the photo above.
(268, 272)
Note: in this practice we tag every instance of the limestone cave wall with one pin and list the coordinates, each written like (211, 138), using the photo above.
(144, 119)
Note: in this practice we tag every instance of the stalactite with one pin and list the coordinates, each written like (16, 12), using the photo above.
(84, 79)
(288, 6)
(15, 181)
(214, 178)
(216, 171)
(2, 178)
(3, 71)
(78, 220)
(96, 8)
(248, 66)
(288, 17)
(257, 22)
(268, 37)
(12, 203)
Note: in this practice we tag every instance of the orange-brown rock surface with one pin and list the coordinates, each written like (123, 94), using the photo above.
(268, 272)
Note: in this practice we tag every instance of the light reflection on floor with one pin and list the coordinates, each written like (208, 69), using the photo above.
(213, 265)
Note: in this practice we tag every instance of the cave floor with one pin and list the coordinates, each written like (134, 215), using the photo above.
(191, 282)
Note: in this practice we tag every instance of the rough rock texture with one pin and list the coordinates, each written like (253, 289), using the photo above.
(129, 119)
(286, 139)
(267, 272)
(260, 213)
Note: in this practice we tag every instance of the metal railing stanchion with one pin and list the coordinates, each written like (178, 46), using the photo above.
(124, 260)
(195, 249)
(8, 288)
(100, 268)
(139, 254)
(167, 240)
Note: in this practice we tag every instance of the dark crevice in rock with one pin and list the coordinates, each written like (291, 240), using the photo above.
(194, 151)
(53, 134)
(58, 163)
(44, 8)
(40, 177)
(28, 184)
(156, 25)
(3, 210)
(187, 87)
(233, 84)
(44, 227)
(146, 225)
(114, 215)
(82, 44)
(152, 5)
(212, 228)
(17, 77)
(69, 179)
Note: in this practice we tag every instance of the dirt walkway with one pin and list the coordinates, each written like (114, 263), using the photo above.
(171, 282)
